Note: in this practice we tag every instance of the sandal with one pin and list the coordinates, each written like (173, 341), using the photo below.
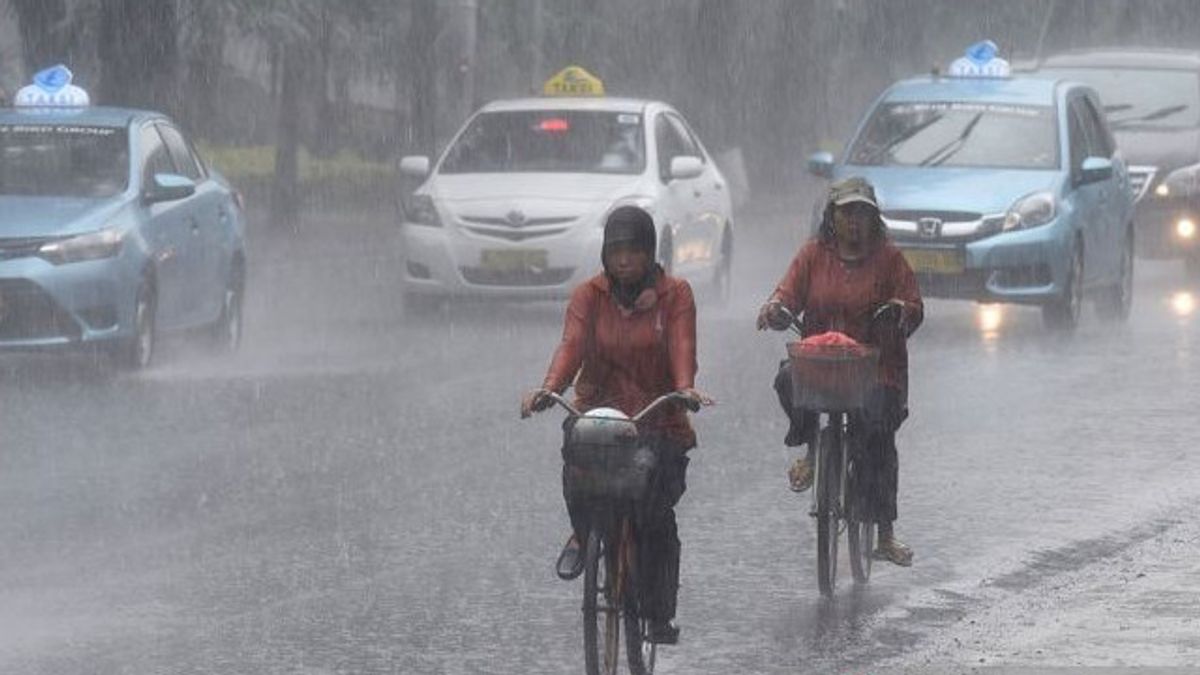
(894, 551)
(800, 475)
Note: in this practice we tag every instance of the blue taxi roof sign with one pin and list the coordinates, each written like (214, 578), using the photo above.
(52, 88)
(981, 60)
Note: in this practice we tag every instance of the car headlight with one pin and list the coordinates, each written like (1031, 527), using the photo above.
(1031, 210)
(422, 211)
(1180, 182)
(90, 246)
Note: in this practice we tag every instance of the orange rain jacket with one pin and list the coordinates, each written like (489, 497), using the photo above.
(842, 296)
(625, 359)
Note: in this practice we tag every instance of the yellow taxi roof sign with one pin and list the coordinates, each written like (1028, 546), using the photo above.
(573, 81)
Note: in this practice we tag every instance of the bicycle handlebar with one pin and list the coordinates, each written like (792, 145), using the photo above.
(690, 404)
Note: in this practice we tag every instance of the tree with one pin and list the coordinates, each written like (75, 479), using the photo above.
(139, 54)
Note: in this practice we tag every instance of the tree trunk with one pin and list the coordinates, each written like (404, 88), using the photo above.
(139, 54)
(43, 33)
(285, 189)
(422, 30)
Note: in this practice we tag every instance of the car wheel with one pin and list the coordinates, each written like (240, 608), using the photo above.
(137, 351)
(1062, 314)
(227, 331)
(1117, 300)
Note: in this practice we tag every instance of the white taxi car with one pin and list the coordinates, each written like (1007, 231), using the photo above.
(515, 207)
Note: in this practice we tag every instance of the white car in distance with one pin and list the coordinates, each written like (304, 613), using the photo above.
(515, 207)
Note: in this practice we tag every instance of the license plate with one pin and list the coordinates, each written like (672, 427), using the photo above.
(510, 260)
(935, 261)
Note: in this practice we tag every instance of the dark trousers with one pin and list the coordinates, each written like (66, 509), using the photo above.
(658, 543)
(883, 415)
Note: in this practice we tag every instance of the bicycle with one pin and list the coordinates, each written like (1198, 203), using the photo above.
(613, 472)
(835, 382)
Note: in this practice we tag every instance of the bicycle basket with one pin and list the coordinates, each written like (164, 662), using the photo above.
(832, 378)
(605, 460)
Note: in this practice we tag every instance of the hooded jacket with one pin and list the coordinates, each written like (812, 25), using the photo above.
(626, 358)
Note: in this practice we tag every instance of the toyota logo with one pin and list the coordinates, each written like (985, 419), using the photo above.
(516, 218)
(929, 227)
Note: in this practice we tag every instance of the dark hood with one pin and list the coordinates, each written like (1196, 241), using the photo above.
(1164, 149)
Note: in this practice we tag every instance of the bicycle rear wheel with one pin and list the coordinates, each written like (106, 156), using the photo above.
(828, 481)
(601, 618)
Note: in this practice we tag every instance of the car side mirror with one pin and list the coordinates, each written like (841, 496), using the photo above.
(821, 164)
(686, 167)
(416, 166)
(169, 187)
(1095, 169)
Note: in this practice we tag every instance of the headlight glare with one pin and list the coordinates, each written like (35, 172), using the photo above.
(90, 246)
(1031, 210)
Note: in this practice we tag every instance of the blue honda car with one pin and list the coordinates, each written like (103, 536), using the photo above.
(112, 231)
(1000, 189)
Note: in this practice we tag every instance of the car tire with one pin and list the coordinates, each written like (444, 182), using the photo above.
(1117, 300)
(226, 333)
(136, 352)
(1062, 314)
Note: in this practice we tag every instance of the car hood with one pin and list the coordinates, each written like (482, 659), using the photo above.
(984, 191)
(560, 187)
(54, 216)
(1165, 150)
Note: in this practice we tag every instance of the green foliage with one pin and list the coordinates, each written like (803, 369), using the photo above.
(257, 163)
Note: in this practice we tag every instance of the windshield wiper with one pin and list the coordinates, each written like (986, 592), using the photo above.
(1152, 116)
(948, 150)
(876, 154)
(1117, 107)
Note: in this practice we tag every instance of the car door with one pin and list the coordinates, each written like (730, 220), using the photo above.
(1087, 198)
(714, 194)
(167, 231)
(680, 199)
(207, 222)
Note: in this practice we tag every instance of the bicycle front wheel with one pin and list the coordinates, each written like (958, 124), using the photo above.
(827, 485)
(859, 537)
(601, 620)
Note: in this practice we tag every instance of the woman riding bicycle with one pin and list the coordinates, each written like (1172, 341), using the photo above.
(838, 280)
(630, 337)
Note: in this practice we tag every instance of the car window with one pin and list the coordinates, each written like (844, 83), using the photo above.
(155, 158)
(559, 141)
(691, 146)
(63, 160)
(1077, 136)
(1101, 141)
(671, 144)
(181, 154)
(959, 134)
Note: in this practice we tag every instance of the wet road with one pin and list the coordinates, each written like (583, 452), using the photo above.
(353, 493)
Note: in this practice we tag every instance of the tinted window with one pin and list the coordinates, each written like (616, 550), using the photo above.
(155, 158)
(1102, 143)
(672, 142)
(180, 153)
(63, 160)
(1077, 136)
(993, 135)
(569, 141)
(1166, 99)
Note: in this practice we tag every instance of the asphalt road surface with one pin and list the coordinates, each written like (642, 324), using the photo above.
(353, 492)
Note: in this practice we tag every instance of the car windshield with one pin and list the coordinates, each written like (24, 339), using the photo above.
(959, 134)
(1136, 97)
(568, 141)
(63, 160)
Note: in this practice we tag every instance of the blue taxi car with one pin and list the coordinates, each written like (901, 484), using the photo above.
(1000, 188)
(113, 230)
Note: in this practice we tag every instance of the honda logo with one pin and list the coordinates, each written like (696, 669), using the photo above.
(929, 227)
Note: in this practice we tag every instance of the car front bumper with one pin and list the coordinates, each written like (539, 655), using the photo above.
(1024, 267)
(46, 306)
(1157, 223)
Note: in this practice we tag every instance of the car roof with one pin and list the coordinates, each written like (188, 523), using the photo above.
(1017, 90)
(600, 103)
(1131, 57)
(103, 116)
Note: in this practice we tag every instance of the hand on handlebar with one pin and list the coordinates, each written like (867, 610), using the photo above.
(535, 401)
(694, 399)
(774, 315)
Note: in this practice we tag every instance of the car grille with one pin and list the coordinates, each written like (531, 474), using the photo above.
(553, 276)
(941, 226)
(21, 247)
(29, 313)
(1140, 180)
(516, 227)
